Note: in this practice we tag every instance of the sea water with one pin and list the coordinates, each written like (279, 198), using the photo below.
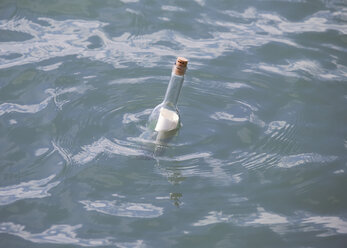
(261, 157)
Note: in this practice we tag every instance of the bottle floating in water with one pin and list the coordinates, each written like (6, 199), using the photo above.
(165, 117)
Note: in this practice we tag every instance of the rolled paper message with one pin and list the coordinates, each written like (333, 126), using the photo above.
(167, 121)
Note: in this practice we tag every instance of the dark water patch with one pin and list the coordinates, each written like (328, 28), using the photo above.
(14, 36)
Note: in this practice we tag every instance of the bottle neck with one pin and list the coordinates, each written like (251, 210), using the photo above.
(173, 89)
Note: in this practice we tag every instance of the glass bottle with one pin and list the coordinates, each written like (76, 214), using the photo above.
(165, 116)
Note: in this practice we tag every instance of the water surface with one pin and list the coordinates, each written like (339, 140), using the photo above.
(260, 160)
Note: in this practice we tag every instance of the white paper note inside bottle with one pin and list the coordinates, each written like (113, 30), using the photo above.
(167, 121)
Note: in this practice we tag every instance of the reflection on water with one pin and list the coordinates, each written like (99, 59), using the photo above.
(323, 226)
(61, 234)
(214, 217)
(27, 190)
(265, 218)
(331, 223)
(73, 37)
(54, 95)
(300, 159)
(29, 109)
(104, 145)
(123, 209)
(176, 198)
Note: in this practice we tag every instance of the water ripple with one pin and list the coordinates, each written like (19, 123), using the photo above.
(304, 158)
(129, 117)
(128, 209)
(220, 173)
(61, 234)
(58, 38)
(29, 109)
(72, 37)
(239, 112)
(330, 222)
(266, 218)
(276, 24)
(322, 226)
(302, 68)
(104, 145)
(214, 217)
(35, 108)
(187, 157)
(27, 190)
(50, 67)
(254, 160)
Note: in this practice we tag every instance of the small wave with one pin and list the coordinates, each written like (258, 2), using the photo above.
(129, 1)
(104, 145)
(27, 190)
(319, 22)
(322, 226)
(302, 68)
(135, 80)
(330, 222)
(304, 158)
(280, 131)
(239, 112)
(266, 218)
(61, 234)
(214, 217)
(275, 126)
(128, 209)
(254, 160)
(219, 172)
(280, 137)
(200, 2)
(197, 155)
(41, 151)
(277, 25)
(229, 117)
(35, 108)
(62, 152)
(13, 122)
(172, 8)
(237, 85)
(128, 117)
(28, 109)
(50, 67)
(71, 37)
(339, 171)
(59, 94)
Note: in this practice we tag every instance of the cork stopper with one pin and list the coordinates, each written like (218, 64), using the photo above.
(180, 66)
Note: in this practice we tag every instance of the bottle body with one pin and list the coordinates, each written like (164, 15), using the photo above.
(164, 120)
(165, 116)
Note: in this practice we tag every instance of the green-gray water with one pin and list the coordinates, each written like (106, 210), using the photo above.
(261, 158)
